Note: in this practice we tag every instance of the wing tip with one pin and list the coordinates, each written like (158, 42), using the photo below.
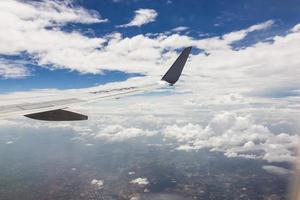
(173, 74)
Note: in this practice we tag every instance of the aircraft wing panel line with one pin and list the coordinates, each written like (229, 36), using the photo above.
(123, 94)
(42, 106)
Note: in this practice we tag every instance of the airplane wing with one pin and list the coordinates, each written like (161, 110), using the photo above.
(55, 109)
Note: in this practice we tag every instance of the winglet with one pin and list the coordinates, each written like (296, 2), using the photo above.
(175, 70)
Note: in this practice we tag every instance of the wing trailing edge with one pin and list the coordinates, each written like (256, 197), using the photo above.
(175, 70)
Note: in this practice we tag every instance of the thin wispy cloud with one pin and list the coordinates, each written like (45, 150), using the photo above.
(180, 29)
(142, 16)
(48, 12)
(12, 70)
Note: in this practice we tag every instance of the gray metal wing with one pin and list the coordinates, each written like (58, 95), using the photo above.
(54, 110)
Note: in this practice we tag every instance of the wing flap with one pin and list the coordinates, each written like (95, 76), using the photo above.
(57, 115)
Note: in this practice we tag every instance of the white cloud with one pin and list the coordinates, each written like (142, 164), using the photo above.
(97, 183)
(243, 133)
(236, 136)
(26, 25)
(219, 44)
(238, 35)
(33, 27)
(180, 29)
(296, 28)
(120, 133)
(276, 170)
(142, 16)
(140, 181)
(46, 13)
(11, 70)
(259, 66)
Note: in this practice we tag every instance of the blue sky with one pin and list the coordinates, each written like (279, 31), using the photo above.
(203, 18)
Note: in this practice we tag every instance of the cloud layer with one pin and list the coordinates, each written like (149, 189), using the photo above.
(242, 81)
(241, 132)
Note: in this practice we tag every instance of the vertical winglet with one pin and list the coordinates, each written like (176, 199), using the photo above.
(175, 70)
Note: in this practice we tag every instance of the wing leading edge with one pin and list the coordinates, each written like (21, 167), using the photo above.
(55, 110)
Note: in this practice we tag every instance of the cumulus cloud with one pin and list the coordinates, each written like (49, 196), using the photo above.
(34, 27)
(236, 136)
(142, 16)
(140, 181)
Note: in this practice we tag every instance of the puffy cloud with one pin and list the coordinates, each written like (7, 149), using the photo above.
(236, 136)
(142, 16)
(247, 70)
(140, 181)
(34, 27)
(97, 183)
(120, 133)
